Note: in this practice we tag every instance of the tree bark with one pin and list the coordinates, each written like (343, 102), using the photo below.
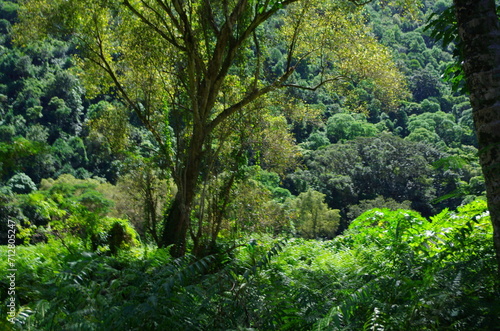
(176, 226)
(203, 84)
(479, 30)
(178, 218)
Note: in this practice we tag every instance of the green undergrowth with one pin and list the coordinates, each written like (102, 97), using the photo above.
(391, 270)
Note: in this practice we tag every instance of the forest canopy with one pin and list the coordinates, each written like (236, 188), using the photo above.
(291, 91)
(239, 164)
(192, 71)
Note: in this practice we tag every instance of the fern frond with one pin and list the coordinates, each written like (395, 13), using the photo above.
(334, 321)
(375, 322)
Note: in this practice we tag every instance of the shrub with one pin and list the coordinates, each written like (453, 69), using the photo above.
(21, 184)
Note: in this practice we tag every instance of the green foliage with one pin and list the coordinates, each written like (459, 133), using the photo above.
(248, 212)
(425, 84)
(49, 127)
(313, 219)
(443, 27)
(16, 153)
(108, 126)
(379, 202)
(75, 212)
(141, 196)
(272, 181)
(421, 273)
(21, 184)
(345, 126)
(316, 140)
(391, 270)
(365, 168)
(43, 111)
(442, 125)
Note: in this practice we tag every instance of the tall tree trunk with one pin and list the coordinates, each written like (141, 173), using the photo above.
(178, 217)
(176, 226)
(479, 30)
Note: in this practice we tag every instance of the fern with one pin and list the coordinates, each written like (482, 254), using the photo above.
(375, 323)
(405, 274)
(265, 260)
(333, 321)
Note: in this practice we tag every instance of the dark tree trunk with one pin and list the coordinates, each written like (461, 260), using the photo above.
(178, 217)
(176, 226)
(479, 30)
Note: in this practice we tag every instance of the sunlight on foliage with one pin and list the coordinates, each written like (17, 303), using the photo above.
(390, 270)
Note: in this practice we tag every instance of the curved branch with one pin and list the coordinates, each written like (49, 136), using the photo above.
(252, 96)
(360, 3)
(314, 88)
(143, 18)
(106, 66)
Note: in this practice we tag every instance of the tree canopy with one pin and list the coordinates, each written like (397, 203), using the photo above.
(242, 164)
(187, 68)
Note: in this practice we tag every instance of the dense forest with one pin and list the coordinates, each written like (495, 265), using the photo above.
(169, 186)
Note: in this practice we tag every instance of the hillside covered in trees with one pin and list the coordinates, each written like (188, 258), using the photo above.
(238, 165)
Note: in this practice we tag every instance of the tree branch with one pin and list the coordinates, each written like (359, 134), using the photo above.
(222, 59)
(161, 18)
(211, 17)
(360, 3)
(170, 14)
(155, 28)
(255, 94)
(314, 88)
(103, 63)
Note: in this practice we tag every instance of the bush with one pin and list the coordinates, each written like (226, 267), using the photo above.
(412, 273)
(392, 270)
(121, 236)
(21, 184)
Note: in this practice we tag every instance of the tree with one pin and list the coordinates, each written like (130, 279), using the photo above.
(479, 31)
(344, 126)
(424, 84)
(314, 219)
(20, 183)
(439, 125)
(384, 165)
(141, 196)
(187, 67)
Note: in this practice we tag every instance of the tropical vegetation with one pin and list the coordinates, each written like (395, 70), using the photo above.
(241, 165)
